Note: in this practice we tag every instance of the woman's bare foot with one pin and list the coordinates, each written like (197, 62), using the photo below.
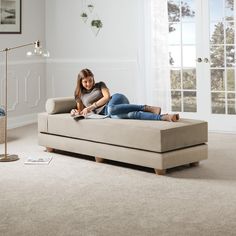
(170, 117)
(156, 110)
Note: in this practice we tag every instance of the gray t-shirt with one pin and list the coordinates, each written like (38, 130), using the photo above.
(93, 95)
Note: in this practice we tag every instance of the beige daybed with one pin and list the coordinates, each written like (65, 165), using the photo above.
(156, 144)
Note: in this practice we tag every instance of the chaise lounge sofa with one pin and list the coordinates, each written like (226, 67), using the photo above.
(156, 144)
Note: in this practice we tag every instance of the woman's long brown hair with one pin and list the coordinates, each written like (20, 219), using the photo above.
(79, 87)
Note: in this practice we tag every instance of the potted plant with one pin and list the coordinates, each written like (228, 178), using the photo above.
(90, 7)
(84, 16)
(96, 23)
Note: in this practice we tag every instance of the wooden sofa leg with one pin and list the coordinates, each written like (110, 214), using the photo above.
(160, 172)
(99, 159)
(48, 149)
(194, 163)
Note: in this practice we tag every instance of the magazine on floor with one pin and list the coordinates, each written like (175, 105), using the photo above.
(38, 160)
(89, 116)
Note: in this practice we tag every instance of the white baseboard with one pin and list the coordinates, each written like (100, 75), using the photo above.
(18, 121)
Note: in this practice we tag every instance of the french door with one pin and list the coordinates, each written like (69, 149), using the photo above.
(202, 61)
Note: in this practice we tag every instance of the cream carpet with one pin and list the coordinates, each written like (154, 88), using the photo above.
(74, 195)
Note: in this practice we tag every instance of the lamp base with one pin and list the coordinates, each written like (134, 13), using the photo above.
(7, 158)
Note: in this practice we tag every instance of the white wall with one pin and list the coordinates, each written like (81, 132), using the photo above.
(26, 78)
(115, 55)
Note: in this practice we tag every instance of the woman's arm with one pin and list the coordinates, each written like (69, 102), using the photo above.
(99, 103)
(104, 99)
(80, 107)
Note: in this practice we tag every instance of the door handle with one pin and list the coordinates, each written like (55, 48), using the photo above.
(206, 60)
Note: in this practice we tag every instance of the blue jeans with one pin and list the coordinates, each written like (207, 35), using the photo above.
(119, 108)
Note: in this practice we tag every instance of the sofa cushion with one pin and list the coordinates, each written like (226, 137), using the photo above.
(60, 105)
(156, 136)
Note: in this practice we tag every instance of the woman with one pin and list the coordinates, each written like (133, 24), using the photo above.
(95, 97)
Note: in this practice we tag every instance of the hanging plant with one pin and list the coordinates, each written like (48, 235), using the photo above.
(90, 7)
(96, 23)
(84, 16)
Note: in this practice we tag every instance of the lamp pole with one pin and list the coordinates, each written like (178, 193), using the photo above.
(13, 157)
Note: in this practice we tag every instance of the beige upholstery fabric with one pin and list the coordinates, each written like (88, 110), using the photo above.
(127, 155)
(156, 144)
(60, 105)
(43, 122)
(156, 136)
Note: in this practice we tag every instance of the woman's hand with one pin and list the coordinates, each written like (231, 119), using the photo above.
(74, 112)
(85, 111)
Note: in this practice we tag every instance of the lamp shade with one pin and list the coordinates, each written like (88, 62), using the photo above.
(38, 51)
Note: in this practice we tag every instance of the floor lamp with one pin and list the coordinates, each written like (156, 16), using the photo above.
(37, 51)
